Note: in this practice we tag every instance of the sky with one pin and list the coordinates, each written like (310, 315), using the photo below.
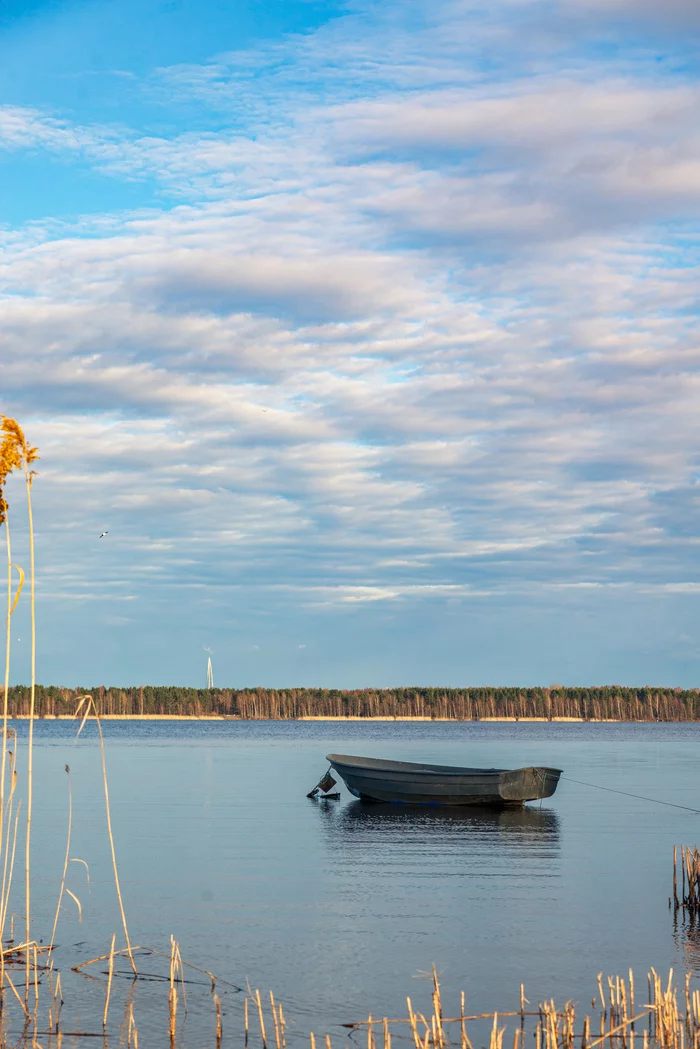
(367, 330)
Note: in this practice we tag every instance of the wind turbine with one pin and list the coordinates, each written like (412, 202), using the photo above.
(210, 672)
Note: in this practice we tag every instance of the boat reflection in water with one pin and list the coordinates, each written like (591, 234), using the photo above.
(467, 834)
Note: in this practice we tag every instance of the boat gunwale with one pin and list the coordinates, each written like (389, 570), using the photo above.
(354, 761)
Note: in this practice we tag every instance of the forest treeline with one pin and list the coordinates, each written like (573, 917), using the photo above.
(467, 704)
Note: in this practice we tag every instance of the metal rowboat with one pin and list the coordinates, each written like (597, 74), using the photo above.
(414, 783)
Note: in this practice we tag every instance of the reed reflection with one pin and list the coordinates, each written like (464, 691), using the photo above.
(686, 935)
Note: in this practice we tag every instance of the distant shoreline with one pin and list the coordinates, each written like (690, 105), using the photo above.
(609, 703)
(350, 717)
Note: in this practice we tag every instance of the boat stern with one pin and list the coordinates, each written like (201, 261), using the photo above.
(528, 784)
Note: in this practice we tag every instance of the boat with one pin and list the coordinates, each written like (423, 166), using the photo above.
(416, 783)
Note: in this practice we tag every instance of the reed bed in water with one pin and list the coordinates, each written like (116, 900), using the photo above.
(686, 879)
(668, 1019)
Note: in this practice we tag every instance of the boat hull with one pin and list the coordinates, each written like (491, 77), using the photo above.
(410, 783)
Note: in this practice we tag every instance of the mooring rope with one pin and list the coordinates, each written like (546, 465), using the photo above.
(640, 797)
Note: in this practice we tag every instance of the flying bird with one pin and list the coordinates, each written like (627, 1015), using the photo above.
(104, 534)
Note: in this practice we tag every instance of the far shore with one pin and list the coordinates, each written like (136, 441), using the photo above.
(330, 717)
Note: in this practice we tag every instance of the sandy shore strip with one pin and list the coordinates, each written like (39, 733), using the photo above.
(131, 717)
(402, 717)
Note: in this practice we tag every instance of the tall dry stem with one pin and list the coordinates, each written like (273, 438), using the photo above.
(275, 1020)
(10, 460)
(132, 1034)
(109, 983)
(15, 453)
(217, 1005)
(28, 456)
(65, 861)
(8, 871)
(89, 703)
(30, 741)
(261, 1017)
(172, 996)
(283, 1025)
(6, 689)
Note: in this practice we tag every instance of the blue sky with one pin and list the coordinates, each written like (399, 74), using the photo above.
(368, 331)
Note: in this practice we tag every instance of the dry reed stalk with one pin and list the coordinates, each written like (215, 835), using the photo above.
(412, 1021)
(312, 1040)
(437, 1009)
(447, 1019)
(152, 950)
(3, 762)
(261, 1017)
(283, 1025)
(180, 971)
(10, 459)
(172, 997)
(387, 1034)
(104, 957)
(65, 860)
(90, 703)
(570, 1018)
(464, 1037)
(586, 1033)
(245, 1019)
(496, 1041)
(551, 1034)
(328, 1042)
(9, 855)
(172, 1010)
(217, 1006)
(36, 977)
(132, 1035)
(28, 456)
(275, 1020)
(109, 983)
(689, 863)
(6, 691)
(57, 1001)
(17, 995)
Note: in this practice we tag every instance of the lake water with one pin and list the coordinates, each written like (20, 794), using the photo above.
(339, 906)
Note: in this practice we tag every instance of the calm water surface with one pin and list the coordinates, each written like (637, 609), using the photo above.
(340, 906)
